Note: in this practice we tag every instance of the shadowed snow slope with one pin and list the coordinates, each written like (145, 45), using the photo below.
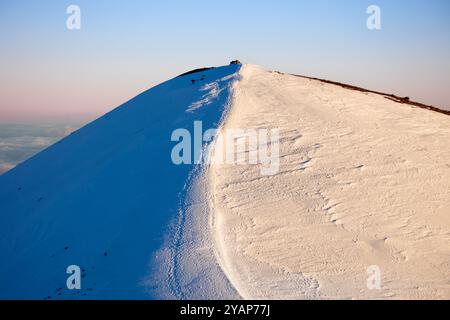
(104, 197)
(363, 181)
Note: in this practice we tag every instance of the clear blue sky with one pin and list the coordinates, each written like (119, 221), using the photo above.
(125, 47)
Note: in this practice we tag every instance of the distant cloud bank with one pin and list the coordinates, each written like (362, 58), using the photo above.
(18, 142)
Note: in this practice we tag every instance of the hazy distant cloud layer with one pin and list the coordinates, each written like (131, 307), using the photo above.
(20, 142)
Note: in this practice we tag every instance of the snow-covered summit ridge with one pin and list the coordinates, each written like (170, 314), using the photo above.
(109, 199)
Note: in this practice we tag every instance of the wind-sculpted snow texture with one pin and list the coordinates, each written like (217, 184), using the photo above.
(105, 197)
(364, 184)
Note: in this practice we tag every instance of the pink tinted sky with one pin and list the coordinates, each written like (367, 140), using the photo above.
(51, 74)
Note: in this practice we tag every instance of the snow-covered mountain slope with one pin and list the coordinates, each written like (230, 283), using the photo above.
(104, 197)
(363, 185)
(363, 182)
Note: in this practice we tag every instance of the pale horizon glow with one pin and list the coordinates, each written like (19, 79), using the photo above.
(51, 74)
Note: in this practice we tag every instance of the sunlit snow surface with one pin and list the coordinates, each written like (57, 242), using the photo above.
(364, 184)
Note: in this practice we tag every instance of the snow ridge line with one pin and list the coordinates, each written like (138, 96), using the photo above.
(179, 244)
(219, 251)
